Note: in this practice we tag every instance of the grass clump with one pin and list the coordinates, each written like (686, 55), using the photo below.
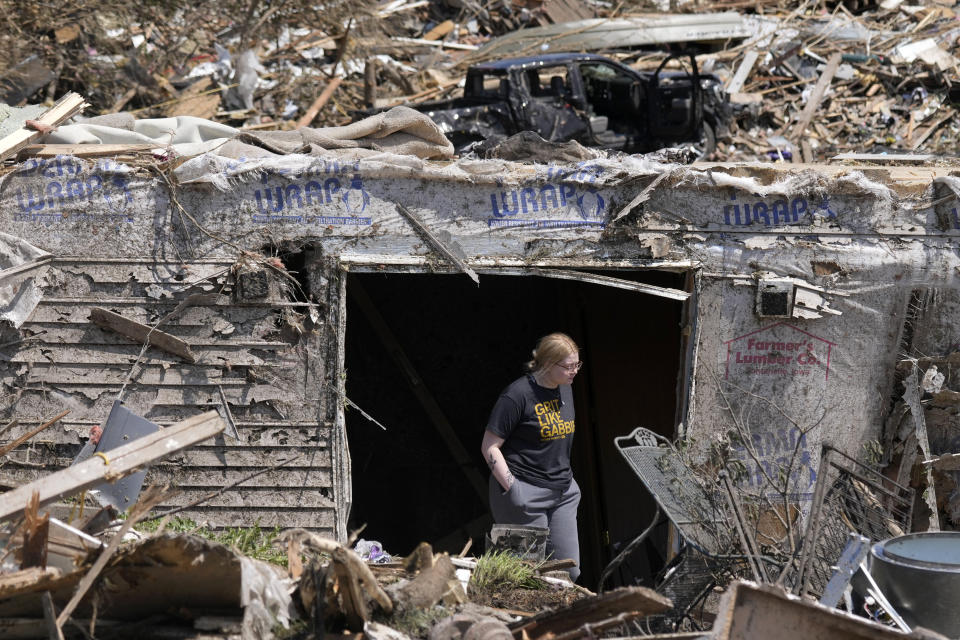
(504, 570)
(253, 542)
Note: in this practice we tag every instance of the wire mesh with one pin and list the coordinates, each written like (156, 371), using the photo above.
(849, 496)
(697, 511)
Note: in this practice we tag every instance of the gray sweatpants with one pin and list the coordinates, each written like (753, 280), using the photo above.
(530, 505)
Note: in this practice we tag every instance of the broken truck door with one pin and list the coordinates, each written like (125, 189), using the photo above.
(550, 108)
(613, 100)
(675, 103)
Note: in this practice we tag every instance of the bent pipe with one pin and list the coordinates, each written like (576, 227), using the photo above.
(630, 548)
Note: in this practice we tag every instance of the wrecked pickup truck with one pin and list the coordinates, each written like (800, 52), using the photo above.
(588, 98)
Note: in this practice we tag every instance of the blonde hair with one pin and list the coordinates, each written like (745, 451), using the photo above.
(551, 349)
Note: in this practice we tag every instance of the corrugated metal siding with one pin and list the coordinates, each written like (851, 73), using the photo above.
(248, 348)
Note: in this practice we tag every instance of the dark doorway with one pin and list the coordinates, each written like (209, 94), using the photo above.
(461, 345)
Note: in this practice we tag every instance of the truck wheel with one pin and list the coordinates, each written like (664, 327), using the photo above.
(707, 143)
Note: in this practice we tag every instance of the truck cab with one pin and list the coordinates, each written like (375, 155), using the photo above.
(584, 97)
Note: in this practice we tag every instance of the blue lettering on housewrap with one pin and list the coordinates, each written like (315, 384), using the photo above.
(276, 199)
(773, 213)
(64, 183)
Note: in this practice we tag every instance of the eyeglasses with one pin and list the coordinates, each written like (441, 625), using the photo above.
(570, 367)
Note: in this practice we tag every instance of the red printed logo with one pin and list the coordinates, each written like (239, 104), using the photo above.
(778, 350)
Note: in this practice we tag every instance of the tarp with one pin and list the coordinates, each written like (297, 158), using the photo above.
(400, 130)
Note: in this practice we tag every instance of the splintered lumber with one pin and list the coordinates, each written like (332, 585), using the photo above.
(439, 31)
(743, 71)
(429, 586)
(819, 89)
(447, 247)
(64, 109)
(357, 566)
(16, 443)
(351, 595)
(150, 499)
(114, 464)
(20, 269)
(85, 150)
(141, 333)
(911, 397)
(321, 100)
(623, 604)
(14, 582)
(36, 530)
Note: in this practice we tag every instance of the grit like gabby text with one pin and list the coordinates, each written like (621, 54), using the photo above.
(552, 426)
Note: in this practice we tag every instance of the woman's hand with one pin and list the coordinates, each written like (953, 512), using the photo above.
(498, 465)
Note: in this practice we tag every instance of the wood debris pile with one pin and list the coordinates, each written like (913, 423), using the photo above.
(813, 81)
(818, 80)
(237, 61)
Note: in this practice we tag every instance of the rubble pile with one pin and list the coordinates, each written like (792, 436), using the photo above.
(877, 77)
(815, 84)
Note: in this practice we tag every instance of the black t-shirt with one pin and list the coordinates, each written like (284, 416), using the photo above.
(537, 426)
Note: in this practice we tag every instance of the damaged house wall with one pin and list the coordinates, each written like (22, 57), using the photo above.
(108, 229)
(849, 246)
(851, 249)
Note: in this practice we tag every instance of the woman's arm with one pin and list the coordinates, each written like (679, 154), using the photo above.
(494, 457)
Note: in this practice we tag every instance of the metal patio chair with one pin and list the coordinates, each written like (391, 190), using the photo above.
(710, 553)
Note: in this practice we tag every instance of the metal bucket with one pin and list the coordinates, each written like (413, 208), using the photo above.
(530, 543)
(919, 573)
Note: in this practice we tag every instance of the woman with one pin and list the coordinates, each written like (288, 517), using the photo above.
(527, 446)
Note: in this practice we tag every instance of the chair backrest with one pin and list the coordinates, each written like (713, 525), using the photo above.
(698, 515)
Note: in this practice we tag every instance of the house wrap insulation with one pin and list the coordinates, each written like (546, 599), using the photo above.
(853, 248)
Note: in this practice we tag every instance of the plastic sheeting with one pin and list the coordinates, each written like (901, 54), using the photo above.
(19, 293)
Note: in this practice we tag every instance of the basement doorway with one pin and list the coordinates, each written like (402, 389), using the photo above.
(426, 355)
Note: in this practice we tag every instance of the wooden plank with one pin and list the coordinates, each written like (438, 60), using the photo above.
(619, 283)
(50, 617)
(79, 313)
(321, 100)
(141, 333)
(453, 253)
(197, 100)
(118, 463)
(70, 434)
(107, 355)
(440, 31)
(920, 139)
(23, 438)
(892, 158)
(84, 150)
(94, 335)
(248, 457)
(307, 478)
(13, 582)
(911, 396)
(813, 102)
(65, 108)
(24, 268)
(626, 603)
(743, 71)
